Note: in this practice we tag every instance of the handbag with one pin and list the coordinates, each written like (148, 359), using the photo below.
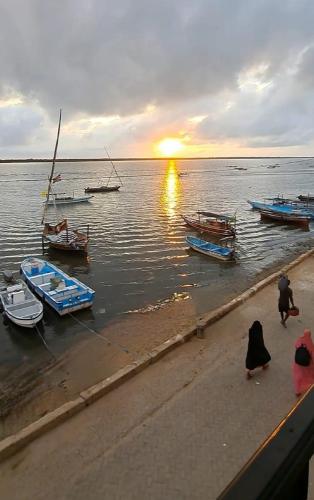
(293, 311)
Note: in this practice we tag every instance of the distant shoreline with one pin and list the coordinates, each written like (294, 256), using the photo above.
(73, 160)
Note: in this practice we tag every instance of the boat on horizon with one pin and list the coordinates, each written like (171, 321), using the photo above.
(212, 223)
(20, 305)
(106, 188)
(62, 292)
(210, 249)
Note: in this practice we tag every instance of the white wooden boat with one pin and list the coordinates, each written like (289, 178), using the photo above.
(62, 199)
(62, 292)
(20, 305)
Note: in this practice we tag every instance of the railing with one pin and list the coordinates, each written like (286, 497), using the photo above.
(279, 469)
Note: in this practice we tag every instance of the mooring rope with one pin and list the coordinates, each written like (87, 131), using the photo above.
(44, 342)
(103, 337)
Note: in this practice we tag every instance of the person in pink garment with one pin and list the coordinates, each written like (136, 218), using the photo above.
(303, 376)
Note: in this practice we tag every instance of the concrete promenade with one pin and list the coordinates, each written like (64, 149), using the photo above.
(180, 429)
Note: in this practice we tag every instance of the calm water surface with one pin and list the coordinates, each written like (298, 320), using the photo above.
(138, 255)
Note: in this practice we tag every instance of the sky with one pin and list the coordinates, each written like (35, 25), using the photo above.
(211, 77)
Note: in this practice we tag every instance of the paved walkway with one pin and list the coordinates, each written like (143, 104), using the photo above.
(183, 427)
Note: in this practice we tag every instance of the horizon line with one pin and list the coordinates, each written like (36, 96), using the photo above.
(72, 160)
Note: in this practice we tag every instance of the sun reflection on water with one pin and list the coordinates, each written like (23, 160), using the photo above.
(171, 192)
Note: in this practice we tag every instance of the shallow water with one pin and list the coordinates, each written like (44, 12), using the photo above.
(138, 255)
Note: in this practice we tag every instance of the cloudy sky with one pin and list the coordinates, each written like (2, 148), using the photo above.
(218, 77)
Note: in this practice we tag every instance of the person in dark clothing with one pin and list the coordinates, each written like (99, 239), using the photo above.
(285, 298)
(257, 354)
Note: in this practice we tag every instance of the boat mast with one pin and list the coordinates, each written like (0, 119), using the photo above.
(114, 168)
(52, 169)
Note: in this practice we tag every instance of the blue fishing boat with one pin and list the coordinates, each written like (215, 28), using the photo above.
(63, 293)
(210, 249)
(281, 208)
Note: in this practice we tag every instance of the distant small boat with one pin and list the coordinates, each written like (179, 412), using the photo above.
(20, 305)
(211, 223)
(295, 219)
(306, 198)
(102, 189)
(63, 293)
(210, 249)
(107, 188)
(182, 174)
(61, 199)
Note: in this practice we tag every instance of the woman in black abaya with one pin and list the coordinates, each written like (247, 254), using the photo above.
(257, 354)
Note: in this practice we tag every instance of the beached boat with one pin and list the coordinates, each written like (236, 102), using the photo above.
(20, 305)
(63, 293)
(211, 223)
(295, 219)
(210, 249)
(62, 199)
(59, 235)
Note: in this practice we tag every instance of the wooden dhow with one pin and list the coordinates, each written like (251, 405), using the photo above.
(60, 236)
(212, 223)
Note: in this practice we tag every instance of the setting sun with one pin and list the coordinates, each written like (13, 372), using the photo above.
(170, 146)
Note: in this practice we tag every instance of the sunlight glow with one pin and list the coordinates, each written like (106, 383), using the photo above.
(171, 190)
(170, 146)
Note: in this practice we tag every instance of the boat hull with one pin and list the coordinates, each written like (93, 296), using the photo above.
(101, 189)
(286, 219)
(69, 201)
(27, 322)
(209, 249)
(215, 228)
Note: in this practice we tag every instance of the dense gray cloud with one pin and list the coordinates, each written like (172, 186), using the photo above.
(98, 57)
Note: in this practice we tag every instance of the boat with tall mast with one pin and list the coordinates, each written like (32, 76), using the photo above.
(60, 236)
(107, 188)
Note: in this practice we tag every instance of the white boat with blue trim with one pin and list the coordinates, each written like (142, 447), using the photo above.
(20, 305)
(62, 292)
(210, 249)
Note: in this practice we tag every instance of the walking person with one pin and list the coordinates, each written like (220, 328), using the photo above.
(285, 298)
(257, 354)
(303, 365)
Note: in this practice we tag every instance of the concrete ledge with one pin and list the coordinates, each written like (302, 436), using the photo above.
(14, 443)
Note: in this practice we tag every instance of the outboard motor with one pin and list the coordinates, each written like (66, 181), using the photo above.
(8, 276)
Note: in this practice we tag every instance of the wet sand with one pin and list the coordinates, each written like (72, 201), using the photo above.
(32, 391)
(32, 394)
